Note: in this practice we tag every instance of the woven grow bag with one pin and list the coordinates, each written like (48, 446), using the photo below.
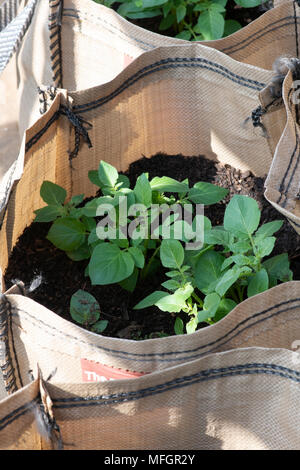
(174, 380)
(217, 384)
(247, 399)
(66, 37)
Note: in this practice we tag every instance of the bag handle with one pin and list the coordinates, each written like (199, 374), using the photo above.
(8, 11)
(54, 25)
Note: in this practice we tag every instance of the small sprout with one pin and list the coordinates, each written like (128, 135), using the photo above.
(85, 310)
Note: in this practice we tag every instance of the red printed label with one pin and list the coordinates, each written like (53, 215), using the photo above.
(97, 372)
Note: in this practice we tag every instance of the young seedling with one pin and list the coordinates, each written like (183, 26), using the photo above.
(85, 310)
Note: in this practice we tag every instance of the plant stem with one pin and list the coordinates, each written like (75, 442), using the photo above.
(258, 267)
(200, 302)
(233, 295)
(190, 29)
(145, 271)
(239, 291)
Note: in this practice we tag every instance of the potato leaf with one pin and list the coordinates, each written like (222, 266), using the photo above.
(67, 234)
(108, 175)
(258, 283)
(52, 194)
(171, 254)
(242, 215)
(206, 193)
(109, 264)
(84, 308)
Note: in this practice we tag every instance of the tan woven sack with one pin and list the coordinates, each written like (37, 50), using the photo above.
(139, 113)
(246, 399)
(65, 37)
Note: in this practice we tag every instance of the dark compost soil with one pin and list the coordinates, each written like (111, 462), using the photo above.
(34, 256)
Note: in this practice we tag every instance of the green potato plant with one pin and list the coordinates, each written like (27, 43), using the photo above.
(194, 20)
(127, 234)
(207, 284)
(113, 257)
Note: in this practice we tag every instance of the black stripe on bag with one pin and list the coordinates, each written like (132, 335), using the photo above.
(156, 67)
(281, 308)
(296, 27)
(282, 188)
(75, 13)
(18, 413)
(187, 380)
(184, 381)
(261, 33)
(54, 26)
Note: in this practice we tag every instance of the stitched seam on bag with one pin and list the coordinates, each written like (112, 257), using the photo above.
(134, 356)
(42, 131)
(237, 344)
(174, 387)
(268, 369)
(16, 414)
(285, 193)
(282, 190)
(204, 375)
(296, 28)
(102, 21)
(171, 63)
(14, 351)
(263, 329)
(134, 78)
(235, 48)
(282, 184)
